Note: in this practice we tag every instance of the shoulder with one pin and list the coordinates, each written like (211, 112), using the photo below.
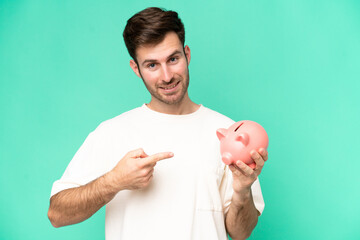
(120, 122)
(217, 118)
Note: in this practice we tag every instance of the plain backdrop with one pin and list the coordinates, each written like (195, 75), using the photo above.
(292, 66)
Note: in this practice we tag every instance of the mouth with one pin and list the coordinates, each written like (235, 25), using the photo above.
(170, 88)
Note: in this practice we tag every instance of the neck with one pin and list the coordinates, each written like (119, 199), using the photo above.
(186, 106)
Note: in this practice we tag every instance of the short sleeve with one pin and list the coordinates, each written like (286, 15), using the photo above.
(226, 191)
(82, 168)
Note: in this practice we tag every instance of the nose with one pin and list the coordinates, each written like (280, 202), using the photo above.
(167, 74)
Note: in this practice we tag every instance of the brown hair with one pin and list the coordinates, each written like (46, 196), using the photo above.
(150, 27)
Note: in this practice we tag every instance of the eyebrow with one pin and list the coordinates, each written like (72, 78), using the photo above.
(154, 60)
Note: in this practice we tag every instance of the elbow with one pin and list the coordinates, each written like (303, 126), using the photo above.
(53, 219)
(53, 214)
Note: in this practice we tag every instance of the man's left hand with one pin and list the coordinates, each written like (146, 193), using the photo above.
(243, 175)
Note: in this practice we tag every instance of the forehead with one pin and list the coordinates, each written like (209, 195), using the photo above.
(161, 50)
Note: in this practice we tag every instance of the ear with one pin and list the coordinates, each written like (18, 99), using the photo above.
(187, 54)
(135, 67)
(243, 137)
(221, 133)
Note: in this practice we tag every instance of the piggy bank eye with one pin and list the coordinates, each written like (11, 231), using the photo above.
(238, 127)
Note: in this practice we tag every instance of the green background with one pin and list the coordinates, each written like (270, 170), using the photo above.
(292, 66)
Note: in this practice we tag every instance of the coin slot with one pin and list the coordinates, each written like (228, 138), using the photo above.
(238, 127)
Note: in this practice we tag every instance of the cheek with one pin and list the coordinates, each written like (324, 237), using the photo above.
(180, 69)
(150, 77)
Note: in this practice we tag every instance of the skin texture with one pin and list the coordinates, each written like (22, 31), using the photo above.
(242, 216)
(164, 65)
(160, 66)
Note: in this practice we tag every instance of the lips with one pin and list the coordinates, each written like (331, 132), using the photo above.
(170, 88)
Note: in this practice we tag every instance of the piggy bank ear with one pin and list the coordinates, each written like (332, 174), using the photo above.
(221, 133)
(243, 137)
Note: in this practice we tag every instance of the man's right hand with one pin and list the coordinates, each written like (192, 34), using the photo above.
(135, 169)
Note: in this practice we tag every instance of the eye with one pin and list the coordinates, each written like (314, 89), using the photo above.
(173, 59)
(151, 65)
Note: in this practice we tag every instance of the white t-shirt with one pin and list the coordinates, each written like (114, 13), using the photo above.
(189, 193)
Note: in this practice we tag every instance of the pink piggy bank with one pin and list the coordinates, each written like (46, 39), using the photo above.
(239, 139)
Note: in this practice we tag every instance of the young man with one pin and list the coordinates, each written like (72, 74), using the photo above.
(174, 185)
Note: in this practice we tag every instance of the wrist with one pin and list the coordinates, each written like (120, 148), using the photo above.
(240, 198)
(111, 183)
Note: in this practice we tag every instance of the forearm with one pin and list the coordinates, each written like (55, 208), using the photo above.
(75, 205)
(242, 216)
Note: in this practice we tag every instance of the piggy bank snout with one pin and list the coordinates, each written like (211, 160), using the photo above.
(226, 158)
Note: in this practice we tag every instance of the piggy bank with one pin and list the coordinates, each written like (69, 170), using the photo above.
(239, 139)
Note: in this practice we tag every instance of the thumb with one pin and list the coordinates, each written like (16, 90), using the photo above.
(137, 153)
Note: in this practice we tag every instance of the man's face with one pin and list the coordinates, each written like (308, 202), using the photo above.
(164, 69)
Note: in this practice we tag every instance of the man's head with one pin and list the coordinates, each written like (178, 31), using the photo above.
(155, 40)
(149, 27)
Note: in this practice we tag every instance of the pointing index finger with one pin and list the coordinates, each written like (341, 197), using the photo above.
(158, 157)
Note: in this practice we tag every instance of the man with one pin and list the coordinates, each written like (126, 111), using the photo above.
(174, 185)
